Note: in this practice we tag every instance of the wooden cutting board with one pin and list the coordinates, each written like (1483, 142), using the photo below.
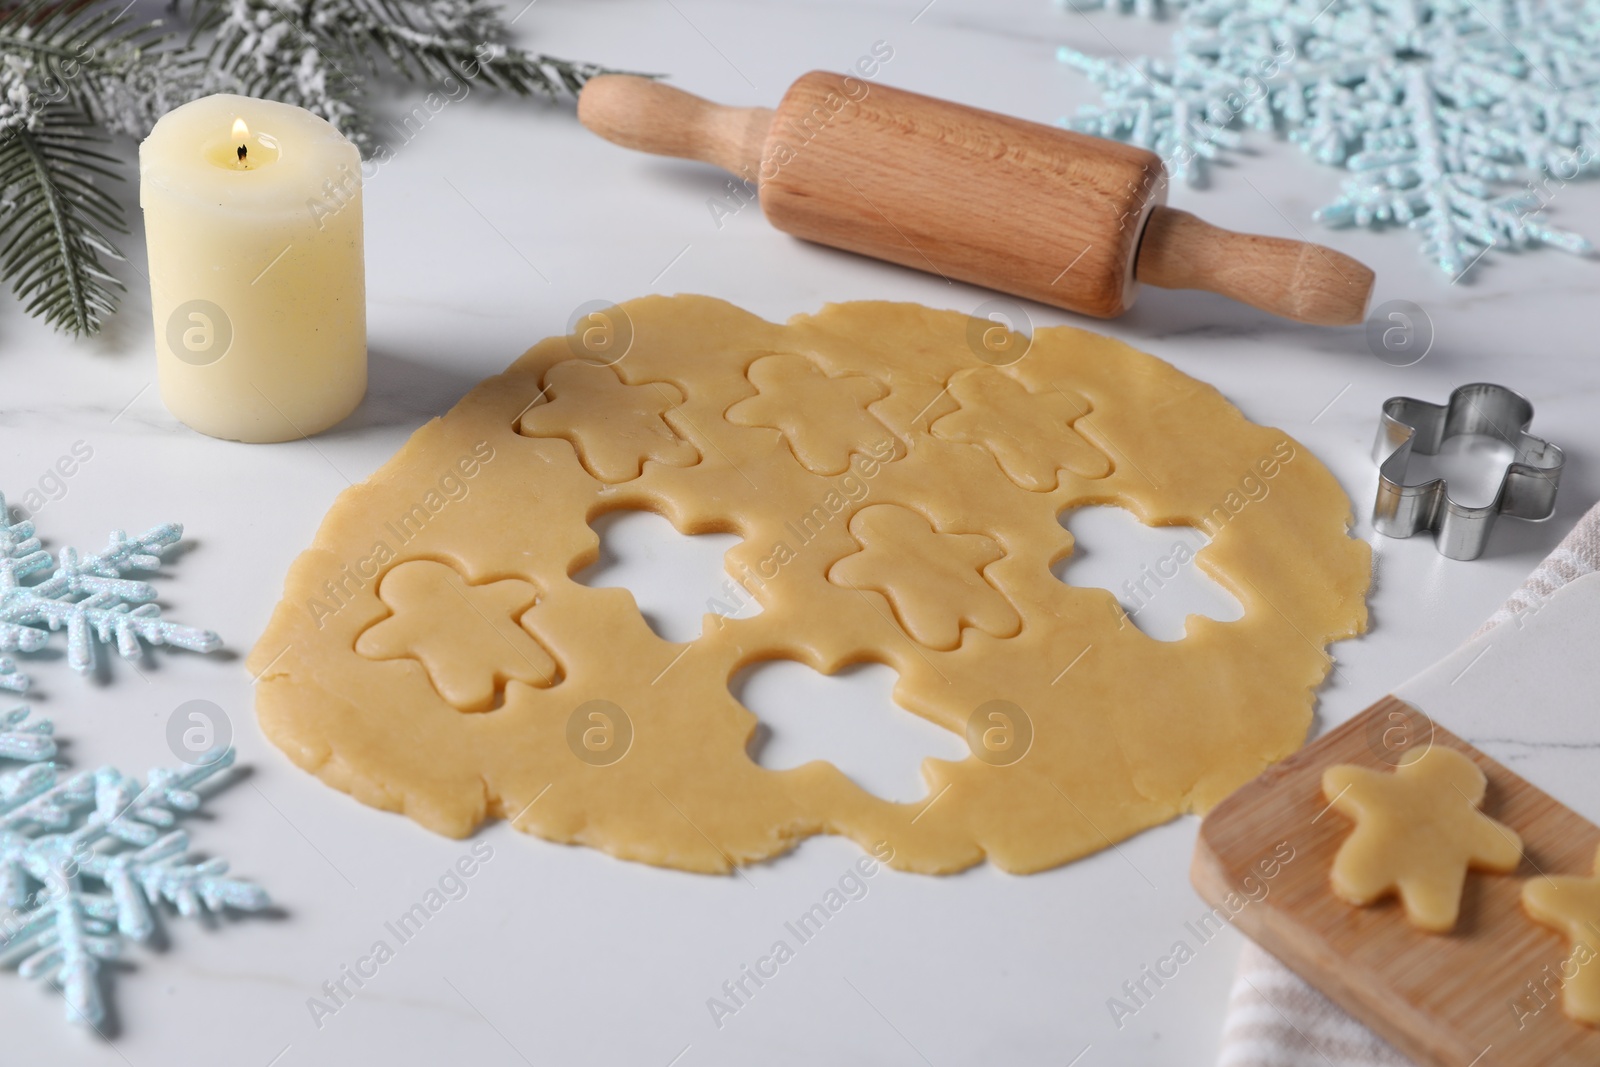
(1486, 995)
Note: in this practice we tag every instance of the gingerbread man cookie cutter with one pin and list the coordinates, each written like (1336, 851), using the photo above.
(1410, 426)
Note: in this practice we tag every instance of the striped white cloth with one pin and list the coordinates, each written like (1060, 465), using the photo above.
(1274, 1018)
(1577, 554)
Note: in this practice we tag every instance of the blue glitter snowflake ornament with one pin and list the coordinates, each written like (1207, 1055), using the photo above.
(102, 828)
(87, 595)
(1438, 108)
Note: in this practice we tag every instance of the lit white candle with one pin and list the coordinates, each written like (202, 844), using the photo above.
(252, 214)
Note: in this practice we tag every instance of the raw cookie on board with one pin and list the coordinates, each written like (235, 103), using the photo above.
(1571, 904)
(1418, 831)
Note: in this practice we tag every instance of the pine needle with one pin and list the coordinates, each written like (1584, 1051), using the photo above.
(54, 244)
(73, 72)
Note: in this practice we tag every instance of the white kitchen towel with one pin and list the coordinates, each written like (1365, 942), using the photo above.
(1274, 1018)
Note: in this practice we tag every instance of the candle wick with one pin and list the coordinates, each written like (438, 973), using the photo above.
(243, 151)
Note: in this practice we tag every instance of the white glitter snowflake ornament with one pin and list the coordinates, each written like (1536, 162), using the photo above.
(88, 596)
(83, 861)
(1440, 109)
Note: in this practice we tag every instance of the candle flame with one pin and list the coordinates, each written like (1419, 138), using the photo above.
(240, 130)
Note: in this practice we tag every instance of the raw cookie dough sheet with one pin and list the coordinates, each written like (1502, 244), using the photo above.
(898, 499)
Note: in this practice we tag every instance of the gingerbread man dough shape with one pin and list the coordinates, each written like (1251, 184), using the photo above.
(1418, 831)
(1571, 905)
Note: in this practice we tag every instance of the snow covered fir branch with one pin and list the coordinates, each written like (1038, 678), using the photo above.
(74, 74)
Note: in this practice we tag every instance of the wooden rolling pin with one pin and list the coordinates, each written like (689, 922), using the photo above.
(1040, 212)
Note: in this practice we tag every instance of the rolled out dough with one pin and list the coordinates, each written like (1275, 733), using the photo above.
(898, 498)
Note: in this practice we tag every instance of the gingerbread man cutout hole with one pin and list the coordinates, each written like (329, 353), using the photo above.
(675, 578)
(849, 719)
(1151, 570)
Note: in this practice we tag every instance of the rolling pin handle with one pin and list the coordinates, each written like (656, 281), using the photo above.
(1295, 279)
(649, 116)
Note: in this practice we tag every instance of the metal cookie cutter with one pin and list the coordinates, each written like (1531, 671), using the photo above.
(1528, 490)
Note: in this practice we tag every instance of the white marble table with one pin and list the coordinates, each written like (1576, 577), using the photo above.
(489, 227)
